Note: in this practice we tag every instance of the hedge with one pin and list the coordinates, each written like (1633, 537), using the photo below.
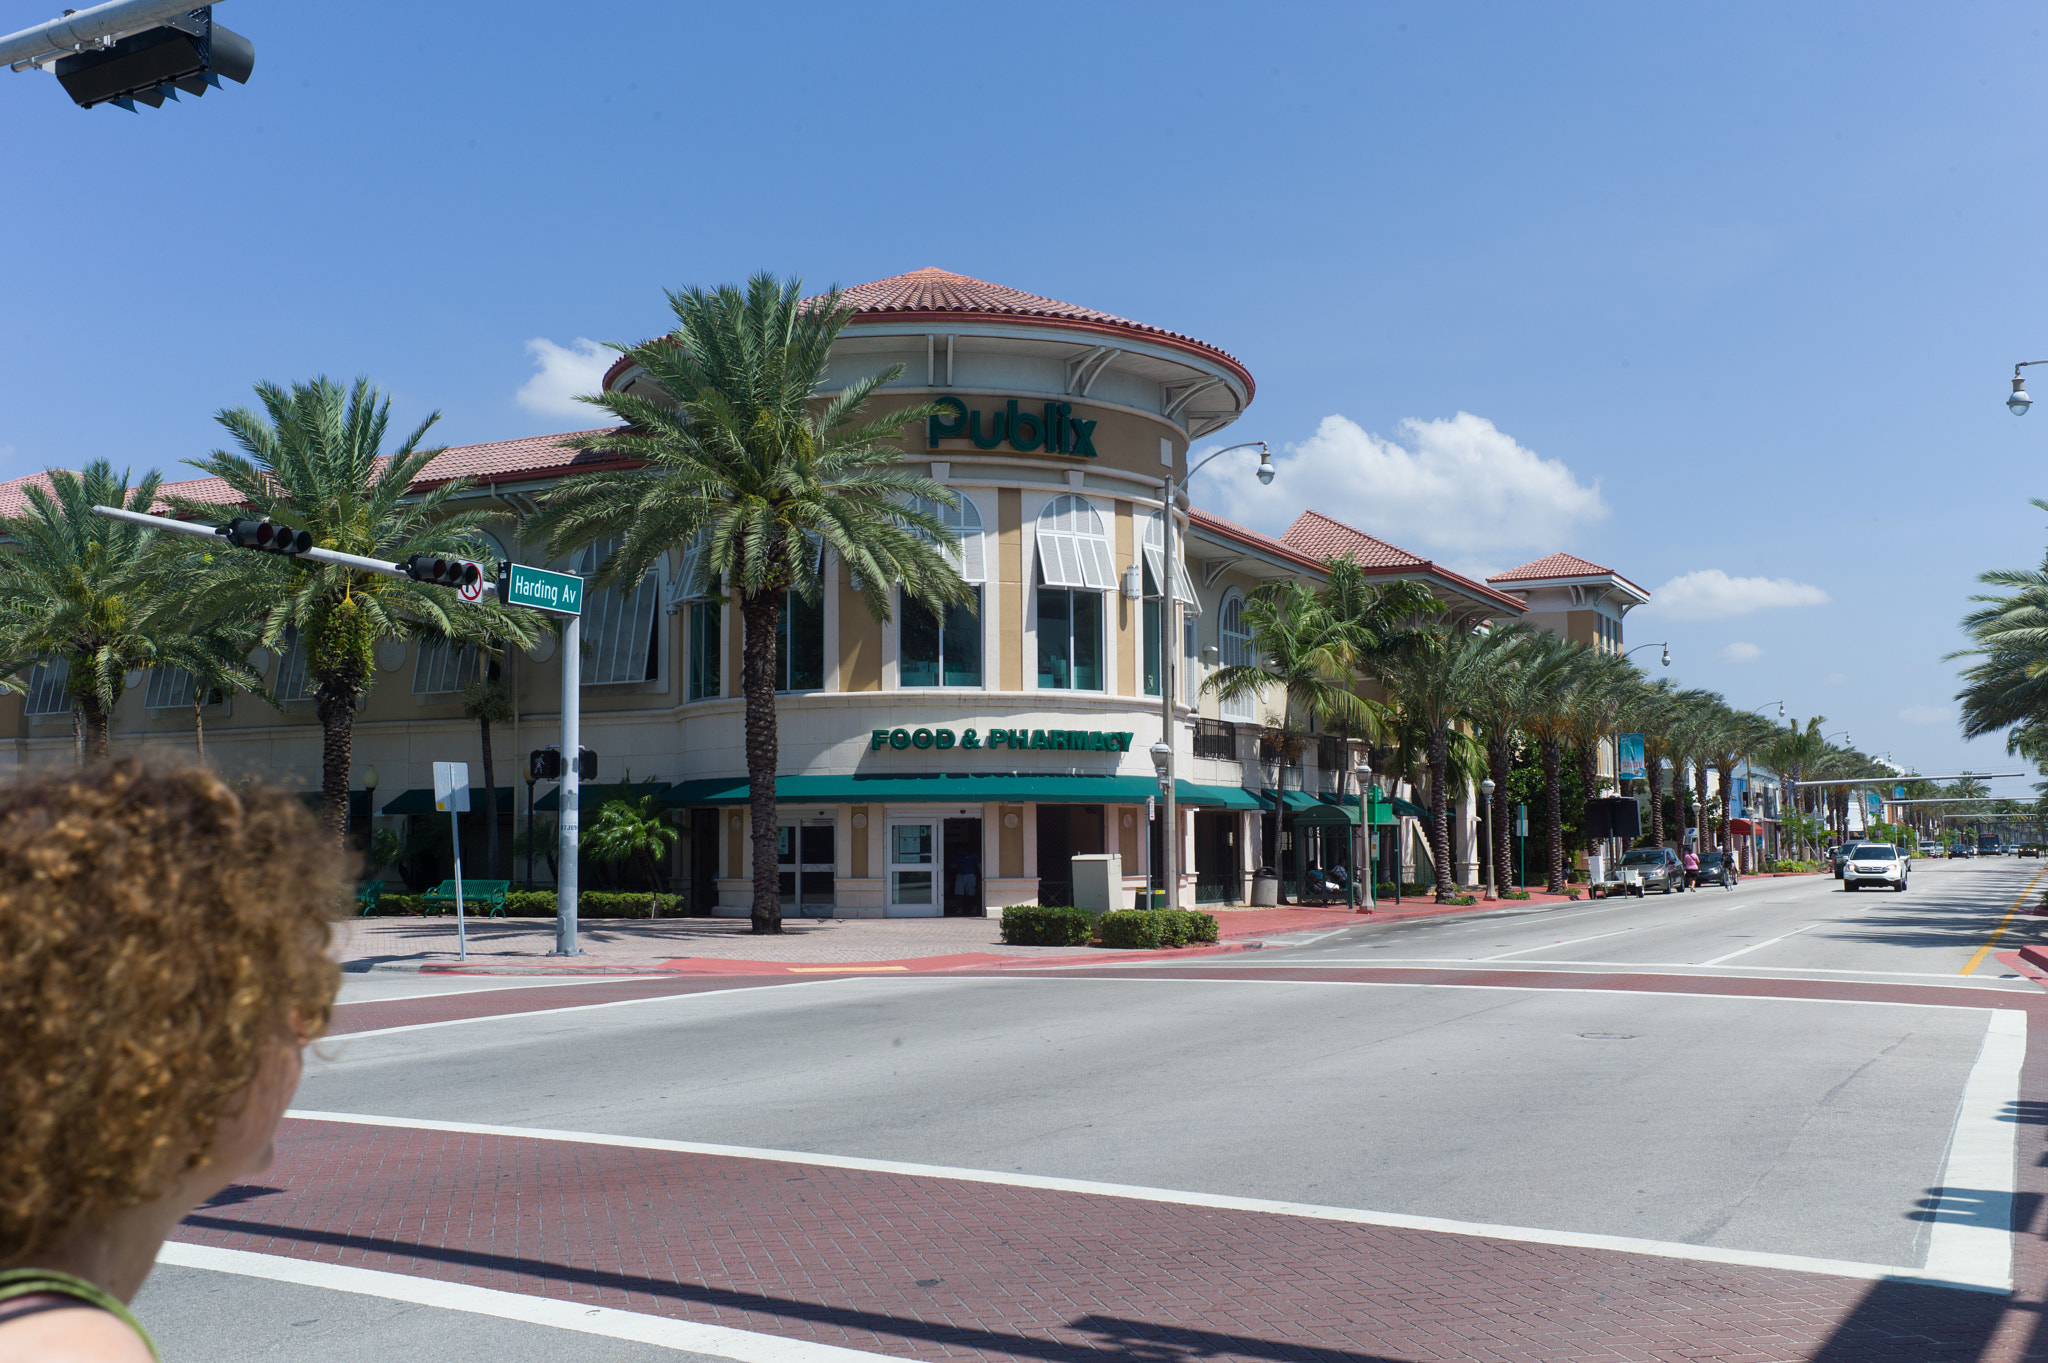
(1035, 925)
(541, 904)
(1143, 929)
(1793, 866)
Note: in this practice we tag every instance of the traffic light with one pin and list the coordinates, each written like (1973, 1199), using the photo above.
(265, 537)
(188, 52)
(442, 572)
(545, 764)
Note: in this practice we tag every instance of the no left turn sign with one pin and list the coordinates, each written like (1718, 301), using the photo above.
(472, 588)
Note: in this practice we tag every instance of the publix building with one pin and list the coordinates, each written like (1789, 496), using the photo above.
(944, 763)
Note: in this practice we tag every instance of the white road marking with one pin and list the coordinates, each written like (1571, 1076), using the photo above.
(1759, 946)
(1972, 1232)
(340, 1037)
(660, 1331)
(1620, 1244)
(1678, 966)
(1571, 943)
(496, 988)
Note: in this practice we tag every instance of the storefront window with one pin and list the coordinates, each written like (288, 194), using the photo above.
(1069, 639)
(1234, 639)
(704, 661)
(1151, 632)
(800, 644)
(940, 650)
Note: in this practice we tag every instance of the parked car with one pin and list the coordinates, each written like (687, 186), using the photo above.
(1717, 868)
(1875, 863)
(1658, 867)
(1961, 849)
(1837, 856)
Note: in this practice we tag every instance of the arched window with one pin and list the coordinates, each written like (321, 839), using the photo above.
(619, 637)
(943, 647)
(1073, 546)
(1074, 569)
(1234, 648)
(1155, 556)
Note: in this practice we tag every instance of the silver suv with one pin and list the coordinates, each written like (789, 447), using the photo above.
(1875, 863)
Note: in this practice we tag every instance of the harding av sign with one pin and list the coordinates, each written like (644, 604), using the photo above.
(1051, 427)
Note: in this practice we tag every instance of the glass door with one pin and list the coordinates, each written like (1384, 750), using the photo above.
(807, 867)
(913, 870)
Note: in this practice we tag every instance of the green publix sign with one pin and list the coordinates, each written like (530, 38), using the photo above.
(1057, 740)
(1053, 427)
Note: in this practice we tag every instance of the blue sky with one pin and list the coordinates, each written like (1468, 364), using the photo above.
(1689, 291)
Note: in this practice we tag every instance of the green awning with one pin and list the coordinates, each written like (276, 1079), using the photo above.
(420, 800)
(593, 796)
(956, 787)
(1296, 800)
(1407, 807)
(1344, 812)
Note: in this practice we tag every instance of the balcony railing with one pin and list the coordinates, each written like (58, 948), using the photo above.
(1216, 738)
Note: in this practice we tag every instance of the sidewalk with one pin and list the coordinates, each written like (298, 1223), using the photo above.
(704, 946)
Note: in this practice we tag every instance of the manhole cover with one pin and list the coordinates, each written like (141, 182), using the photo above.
(1608, 1036)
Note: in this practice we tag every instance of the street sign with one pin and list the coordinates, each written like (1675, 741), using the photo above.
(451, 787)
(561, 593)
(472, 584)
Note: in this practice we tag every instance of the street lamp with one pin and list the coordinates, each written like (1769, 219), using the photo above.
(1169, 633)
(1486, 789)
(1666, 646)
(2018, 403)
(1366, 835)
(370, 790)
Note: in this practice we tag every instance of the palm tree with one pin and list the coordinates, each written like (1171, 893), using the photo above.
(633, 830)
(1434, 678)
(1605, 682)
(486, 701)
(313, 460)
(1528, 670)
(1647, 708)
(738, 449)
(89, 594)
(1550, 719)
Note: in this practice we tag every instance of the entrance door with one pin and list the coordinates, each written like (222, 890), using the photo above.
(703, 862)
(806, 858)
(962, 884)
(914, 869)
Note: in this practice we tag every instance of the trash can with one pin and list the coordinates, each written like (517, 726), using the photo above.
(1266, 888)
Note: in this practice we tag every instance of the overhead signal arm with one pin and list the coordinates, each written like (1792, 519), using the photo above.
(267, 538)
(129, 52)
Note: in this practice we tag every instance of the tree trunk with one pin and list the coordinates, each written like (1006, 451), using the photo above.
(1589, 780)
(95, 725)
(336, 703)
(1553, 809)
(199, 728)
(1653, 771)
(1439, 815)
(1498, 758)
(490, 804)
(1705, 816)
(757, 684)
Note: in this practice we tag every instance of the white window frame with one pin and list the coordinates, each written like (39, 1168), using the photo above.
(1073, 546)
(1234, 649)
(47, 697)
(619, 627)
(292, 672)
(970, 558)
(171, 688)
(1155, 559)
(443, 667)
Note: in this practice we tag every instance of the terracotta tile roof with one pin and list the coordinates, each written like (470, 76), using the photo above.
(932, 294)
(1306, 549)
(499, 461)
(1557, 566)
(1322, 539)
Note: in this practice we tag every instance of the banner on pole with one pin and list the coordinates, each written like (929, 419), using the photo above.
(1629, 749)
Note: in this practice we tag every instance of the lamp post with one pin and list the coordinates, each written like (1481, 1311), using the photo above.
(1666, 646)
(1486, 789)
(1366, 834)
(1169, 633)
(2018, 402)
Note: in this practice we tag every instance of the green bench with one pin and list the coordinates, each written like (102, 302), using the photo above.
(368, 892)
(474, 892)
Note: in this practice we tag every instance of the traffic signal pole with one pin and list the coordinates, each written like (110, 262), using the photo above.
(572, 777)
(86, 30)
(313, 555)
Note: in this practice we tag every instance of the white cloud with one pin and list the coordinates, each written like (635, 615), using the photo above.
(1741, 653)
(1927, 714)
(1457, 486)
(1837, 678)
(564, 372)
(1711, 594)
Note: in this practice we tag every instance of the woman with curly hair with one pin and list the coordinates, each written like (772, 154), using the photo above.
(163, 960)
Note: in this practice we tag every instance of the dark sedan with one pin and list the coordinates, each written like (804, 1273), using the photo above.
(1717, 868)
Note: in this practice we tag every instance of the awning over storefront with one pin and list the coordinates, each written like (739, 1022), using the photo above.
(1343, 812)
(957, 787)
(1407, 808)
(1740, 827)
(1296, 800)
(593, 796)
(420, 800)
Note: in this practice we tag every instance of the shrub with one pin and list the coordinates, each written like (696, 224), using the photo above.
(1145, 929)
(1461, 900)
(1793, 866)
(541, 904)
(1514, 894)
(1036, 925)
(1384, 889)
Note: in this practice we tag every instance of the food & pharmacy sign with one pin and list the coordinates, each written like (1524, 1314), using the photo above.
(1015, 740)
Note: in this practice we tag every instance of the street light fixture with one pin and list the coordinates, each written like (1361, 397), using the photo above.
(2018, 403)
(1169, 633)
(1368, 834)
(1486, 789)
(1666, 646)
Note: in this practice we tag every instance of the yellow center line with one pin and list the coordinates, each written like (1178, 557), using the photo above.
(1999, 931)
(841, 969)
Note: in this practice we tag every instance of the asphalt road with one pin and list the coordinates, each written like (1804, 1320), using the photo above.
(1796, 1126)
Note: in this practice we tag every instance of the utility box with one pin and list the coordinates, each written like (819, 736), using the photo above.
(1098, 881)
